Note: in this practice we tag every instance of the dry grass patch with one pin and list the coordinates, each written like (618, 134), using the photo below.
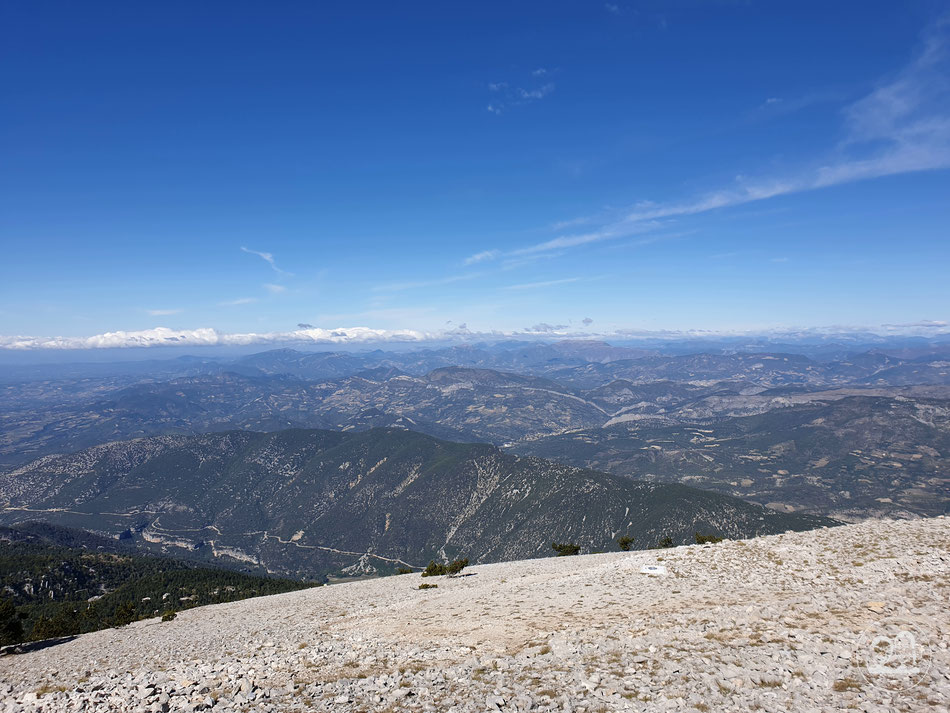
(846, 684)
(47, 688)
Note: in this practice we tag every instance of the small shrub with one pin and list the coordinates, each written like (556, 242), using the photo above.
(404, 570)
(565, 549)
(169, 615)
(625, 543)
(435, 569)
(706, 539)
(665, 543)
(426, 585)
(456, 566)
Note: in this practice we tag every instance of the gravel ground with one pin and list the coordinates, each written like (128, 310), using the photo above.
(781, 623)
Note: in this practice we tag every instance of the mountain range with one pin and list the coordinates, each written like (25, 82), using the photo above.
(849, 457)
(317, 502)
(779, 428)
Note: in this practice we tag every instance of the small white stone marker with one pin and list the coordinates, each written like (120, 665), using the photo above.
(657, 570)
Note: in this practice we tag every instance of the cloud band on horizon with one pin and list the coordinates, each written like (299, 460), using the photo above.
(209, 337)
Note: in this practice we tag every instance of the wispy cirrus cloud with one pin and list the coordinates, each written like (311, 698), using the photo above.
(162, 312)
(505, 95)
(400, 286)
(483, 256)
(773, 107)
(902, 126)
(521, 256)
(273, 288)
(238, 301)
(539, 285)
(920, 324)
(538, 93)
(571, 222)
(266, 257)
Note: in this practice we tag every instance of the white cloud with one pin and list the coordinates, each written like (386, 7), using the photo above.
(162, 312)
(400, 286)
(612, 9)
(163, 336)
(504, 95)
(538, 93)
(274, 289)
(538, 285)
(483, 256)
(570, 223)
(902, 126)
(239, 301)
(920, 324)
(544, 327)
(268, 258)
(306, 334)
(608, 232)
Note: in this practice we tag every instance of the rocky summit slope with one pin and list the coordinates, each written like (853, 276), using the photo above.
(780, 623)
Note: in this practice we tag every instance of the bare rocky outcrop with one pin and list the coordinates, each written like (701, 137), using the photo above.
(778, 623)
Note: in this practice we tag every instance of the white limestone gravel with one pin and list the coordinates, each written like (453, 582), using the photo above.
(780, 623)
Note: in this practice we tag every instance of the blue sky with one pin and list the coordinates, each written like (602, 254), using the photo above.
(229, 168)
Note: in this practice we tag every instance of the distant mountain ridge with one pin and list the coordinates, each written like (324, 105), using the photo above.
(312, 502)
(586, 404)
(453, 402)
(843, 454)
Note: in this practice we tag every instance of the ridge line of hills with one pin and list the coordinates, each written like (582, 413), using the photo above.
(862, 448)
(262, 499)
